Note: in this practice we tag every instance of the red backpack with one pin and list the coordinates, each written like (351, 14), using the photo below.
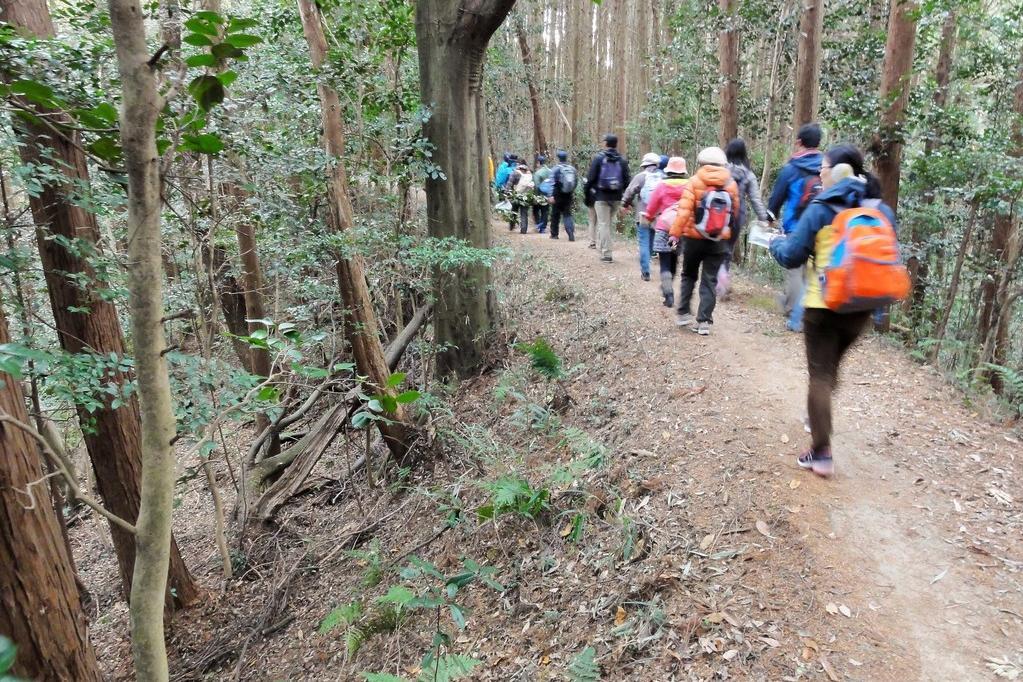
(714, 214)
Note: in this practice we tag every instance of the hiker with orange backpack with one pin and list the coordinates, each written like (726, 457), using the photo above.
(660, 212)
(707, 211)
(846, 239)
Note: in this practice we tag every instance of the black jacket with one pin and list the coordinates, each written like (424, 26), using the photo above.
(594, 174)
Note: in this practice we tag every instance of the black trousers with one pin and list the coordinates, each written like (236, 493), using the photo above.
(701, 259)
(562, 208)
(828, 335)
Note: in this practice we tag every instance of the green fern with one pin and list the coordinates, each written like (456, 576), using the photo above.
(385, 619)
(448, 667)
(542, 358)
(584, 667)
(347, 614)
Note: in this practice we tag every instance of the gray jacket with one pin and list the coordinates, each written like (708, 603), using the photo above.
(749, 193)
(634, 195)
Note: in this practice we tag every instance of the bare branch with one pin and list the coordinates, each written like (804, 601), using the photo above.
(60, 466)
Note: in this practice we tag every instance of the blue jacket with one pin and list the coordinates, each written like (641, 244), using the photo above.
(788, 188)
(795, 249)
(504, 171)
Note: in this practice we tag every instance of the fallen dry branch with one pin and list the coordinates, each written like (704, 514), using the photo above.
(297, 462)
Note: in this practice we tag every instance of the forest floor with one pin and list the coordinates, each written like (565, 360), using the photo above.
(681, 541)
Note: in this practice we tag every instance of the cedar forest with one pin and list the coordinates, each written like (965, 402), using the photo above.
(279, 403)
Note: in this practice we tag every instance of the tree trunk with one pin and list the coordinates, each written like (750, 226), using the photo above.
(85, 321)
(140, 108)
(539, 139)
(578, 31)
(916, 265)
(808, 62)
(452, 44)
(895, 82)
(728, 57)
(363, 328)
(39, 607)
(1006, 252)
(772, 99)
(953, 287)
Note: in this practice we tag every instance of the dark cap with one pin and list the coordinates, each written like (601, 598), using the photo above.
(611, 140)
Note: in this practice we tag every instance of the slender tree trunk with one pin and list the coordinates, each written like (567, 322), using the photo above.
(953, 287)
(808, 62)
(578, 32)
(1006, 252)
(39, 607)
(140, 108)
(85, 321)
(895, 82)
(363, 328)
(452, 45)
(539, 139)
(255, 308)
(772, 95)
(916, 265)
(728, 57)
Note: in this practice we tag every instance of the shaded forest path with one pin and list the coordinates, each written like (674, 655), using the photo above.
(905, 565)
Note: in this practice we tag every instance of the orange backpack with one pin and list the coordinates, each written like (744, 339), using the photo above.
(865, 271)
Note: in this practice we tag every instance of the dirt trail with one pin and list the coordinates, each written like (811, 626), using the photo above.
(915, 545)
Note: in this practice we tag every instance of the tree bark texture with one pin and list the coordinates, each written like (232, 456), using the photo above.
(452, 40)
(808, 62)
(85, 321)
(362, 320)
(895, 81)
(728, 57)
(39, 607)
(917, 266)
(140, 108)
(539, 139)
(1005, 254)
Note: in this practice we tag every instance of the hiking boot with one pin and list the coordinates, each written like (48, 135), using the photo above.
(645, 276)
(669, 300)
(606, 259)
(592, 245)
(819, 463)
(684, 319)
(703, 329)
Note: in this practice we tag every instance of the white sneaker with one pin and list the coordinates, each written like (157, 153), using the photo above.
(684, 319)
(703, 329)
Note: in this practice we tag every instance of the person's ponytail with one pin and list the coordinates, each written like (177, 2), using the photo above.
(873, 185)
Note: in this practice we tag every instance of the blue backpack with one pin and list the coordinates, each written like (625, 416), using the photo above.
(547, 187)
(612, 176)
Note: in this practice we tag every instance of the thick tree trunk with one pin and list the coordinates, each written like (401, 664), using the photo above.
(363, 329)
(140, 108)
(452, 42)
(808, 62)
(895, 82)
(539, 139)
(728, 58)
(39, 607)
(85, 321)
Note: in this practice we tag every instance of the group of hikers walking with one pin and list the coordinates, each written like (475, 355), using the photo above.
(837, 239)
